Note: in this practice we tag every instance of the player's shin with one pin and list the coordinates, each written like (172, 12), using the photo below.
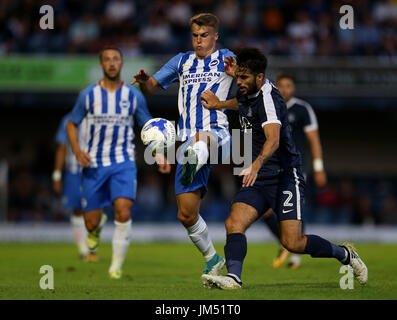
(199, 235)
(120, 244)
(318, 247)
(235, 252)
(79, 233)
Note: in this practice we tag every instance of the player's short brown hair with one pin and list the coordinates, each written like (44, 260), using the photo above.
(205, 19)
(285, 75)
(109, 47)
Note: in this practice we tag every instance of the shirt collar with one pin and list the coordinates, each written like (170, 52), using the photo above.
(291, 102)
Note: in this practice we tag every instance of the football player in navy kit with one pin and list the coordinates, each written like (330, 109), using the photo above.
(273, 180)
(304, 129)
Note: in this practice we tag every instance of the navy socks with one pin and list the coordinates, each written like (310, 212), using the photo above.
(318, 247)
(235, 252)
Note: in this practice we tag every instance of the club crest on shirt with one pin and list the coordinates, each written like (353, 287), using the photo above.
(214, 63)
(124, 104)
(245, 124)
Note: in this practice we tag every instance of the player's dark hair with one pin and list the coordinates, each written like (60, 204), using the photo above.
(285, 75)
(109, 47)
(205, 19)
(252, 59)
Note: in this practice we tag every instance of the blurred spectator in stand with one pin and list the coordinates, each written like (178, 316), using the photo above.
(156, 36)
(59, 40)
(368, 36)
(385, 10)
(316, 9)
(325, 37)
(301, 31)
(83, 33)
(178, 14)
(119, 10)
(228, 12)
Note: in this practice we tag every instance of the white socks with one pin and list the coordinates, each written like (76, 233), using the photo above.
(199, 235)
(201, 149)
(79, 233)
(120, 244)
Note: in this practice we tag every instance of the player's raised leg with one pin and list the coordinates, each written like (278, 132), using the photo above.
(121, 235)
(241, 217)
(317, 247)
(289, 209)
(196, 156)
(189, 216)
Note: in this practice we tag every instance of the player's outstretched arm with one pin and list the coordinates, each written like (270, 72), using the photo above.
(59, 162)
(83, 158)
(147, 84)
(320, 177)
(210, 101)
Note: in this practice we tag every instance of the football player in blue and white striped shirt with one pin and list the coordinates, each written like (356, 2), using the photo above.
(109, 108)
(204, 132)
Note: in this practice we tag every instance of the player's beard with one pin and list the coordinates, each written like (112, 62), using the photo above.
(112, 78)
(251, 88)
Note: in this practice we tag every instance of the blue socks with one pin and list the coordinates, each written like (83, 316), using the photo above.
(318, 247)
(235, 252)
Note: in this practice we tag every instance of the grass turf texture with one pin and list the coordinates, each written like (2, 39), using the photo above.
(168, 271)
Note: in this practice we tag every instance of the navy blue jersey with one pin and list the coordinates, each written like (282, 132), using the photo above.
(256, 111)
(302, 119)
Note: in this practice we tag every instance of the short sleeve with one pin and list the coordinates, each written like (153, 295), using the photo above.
(142, 114)
(169, 72)
(268, 111)
(309, 119)
(79, 110)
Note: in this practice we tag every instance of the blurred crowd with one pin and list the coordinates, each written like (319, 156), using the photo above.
(345, 200)
(278, 27)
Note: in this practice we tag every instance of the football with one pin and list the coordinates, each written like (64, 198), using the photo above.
(158, 134)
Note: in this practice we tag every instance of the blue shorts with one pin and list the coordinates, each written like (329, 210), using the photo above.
(284, 194)
(71, 190)
(101, 186)
(201, 177)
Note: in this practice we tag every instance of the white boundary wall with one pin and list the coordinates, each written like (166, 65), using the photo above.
(152, 232)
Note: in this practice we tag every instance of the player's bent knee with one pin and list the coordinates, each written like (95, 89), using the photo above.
(234, 225)
(91, 225)
(293, 244)
(187, 219)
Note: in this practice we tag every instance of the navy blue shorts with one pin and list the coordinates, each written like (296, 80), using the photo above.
(284, 194)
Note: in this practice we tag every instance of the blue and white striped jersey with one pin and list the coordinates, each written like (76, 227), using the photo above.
(109, 122)
(61, 137)
(195, 76)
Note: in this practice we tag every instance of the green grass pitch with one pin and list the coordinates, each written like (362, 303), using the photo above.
(171, 271)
